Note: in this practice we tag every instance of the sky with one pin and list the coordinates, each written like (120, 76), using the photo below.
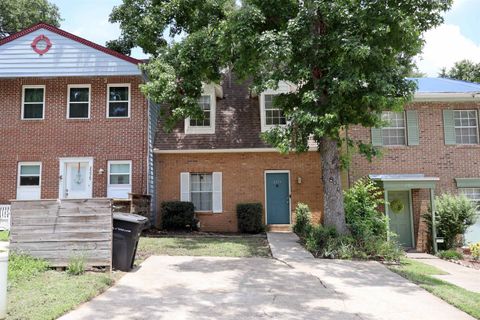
(458, 38)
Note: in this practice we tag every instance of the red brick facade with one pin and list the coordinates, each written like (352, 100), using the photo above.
(243, 181)
(56, 136)
(432, 157)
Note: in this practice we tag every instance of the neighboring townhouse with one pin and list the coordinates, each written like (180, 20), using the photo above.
(74, 123)
(221, 161)
(432, 147)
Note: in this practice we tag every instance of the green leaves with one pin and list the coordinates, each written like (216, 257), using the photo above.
(16, 15)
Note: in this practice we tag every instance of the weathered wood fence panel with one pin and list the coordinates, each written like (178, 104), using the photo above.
(61, 230)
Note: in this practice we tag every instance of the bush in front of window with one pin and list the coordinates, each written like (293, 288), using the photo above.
(249, 216)
(178, 215)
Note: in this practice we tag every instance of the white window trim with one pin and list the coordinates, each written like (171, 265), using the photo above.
(404, 130)
(263, 118)
(72, 86)
(128, 85)
(476, 127)
(204, 130)
(129, 162)
(23, 101)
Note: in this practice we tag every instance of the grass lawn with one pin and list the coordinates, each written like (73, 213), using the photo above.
(203, 246)
(3, 235)
(36, 292)
(421, 274)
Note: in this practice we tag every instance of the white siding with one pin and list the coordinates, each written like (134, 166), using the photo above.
(66, 57)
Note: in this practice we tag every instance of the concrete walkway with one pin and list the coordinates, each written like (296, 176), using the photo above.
(458, 275)
(366, 288)
(292, 286)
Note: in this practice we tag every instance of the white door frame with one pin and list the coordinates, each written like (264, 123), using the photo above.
(289, 193)
(62, 163)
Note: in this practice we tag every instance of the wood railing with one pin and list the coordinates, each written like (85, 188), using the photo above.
(5, 217)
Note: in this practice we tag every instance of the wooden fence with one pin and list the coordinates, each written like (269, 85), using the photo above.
(4, 217)
(61, 230)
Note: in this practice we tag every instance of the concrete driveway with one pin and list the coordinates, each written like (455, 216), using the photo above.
(291, 286)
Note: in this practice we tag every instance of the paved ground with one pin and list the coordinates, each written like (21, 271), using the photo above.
(293, 285)
(461, 276)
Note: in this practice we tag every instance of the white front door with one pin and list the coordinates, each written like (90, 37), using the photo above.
(76, 179)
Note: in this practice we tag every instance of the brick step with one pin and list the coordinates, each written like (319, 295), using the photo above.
(279, 228)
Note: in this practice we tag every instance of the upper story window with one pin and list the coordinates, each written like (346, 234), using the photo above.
(270, 115)
(78, 102)
(466, 126)
(33, 102)
(394, 134)
(273, 116)
(206, 124)
(118, 103)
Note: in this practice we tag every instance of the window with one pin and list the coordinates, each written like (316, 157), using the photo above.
(118, 104)
(29, 180)
(273, 116)
(33, 102)
(394, 134)
(473, 194)
(201, 191)
(204, 103)
(78, 102)
(466, 131)
(119, 179)
(207, 124)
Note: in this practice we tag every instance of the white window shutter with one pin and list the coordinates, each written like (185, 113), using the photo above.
(217, 192)
(184, 186)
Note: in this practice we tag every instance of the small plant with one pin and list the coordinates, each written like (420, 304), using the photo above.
(249, 216)
(454, 214)
(450, 255)
(475, 250)
(178, 215)
(303, 220)
(362, 210)
(76, 265)
(317, 238)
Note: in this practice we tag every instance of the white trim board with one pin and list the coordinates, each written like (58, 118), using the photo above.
(239, 150)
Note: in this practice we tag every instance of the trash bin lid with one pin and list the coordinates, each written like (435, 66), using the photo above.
(130, 217)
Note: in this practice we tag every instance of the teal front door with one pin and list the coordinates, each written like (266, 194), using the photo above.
(400, 217)
(278, 197)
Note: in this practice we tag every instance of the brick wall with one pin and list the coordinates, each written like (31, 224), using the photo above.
(55, 136)
(243, 181)
(431, 157)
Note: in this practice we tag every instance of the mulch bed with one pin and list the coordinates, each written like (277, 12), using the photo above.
(156, 233)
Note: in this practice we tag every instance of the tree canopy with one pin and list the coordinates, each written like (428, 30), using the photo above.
(348, 59)
(463, 70)
(16, 15)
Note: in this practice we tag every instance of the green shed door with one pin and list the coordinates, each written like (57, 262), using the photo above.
(400, 220)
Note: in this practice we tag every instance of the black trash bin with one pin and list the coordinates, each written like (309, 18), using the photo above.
(127, 228)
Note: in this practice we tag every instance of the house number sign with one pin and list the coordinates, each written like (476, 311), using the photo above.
(41, 44)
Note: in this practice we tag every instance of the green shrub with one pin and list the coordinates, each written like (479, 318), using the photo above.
(453, 215)
(249, 217)
(362, 210)
(76, 265)
(178, 215)
(450, 255)
(475, 250)
(303, 220)
(317, 238)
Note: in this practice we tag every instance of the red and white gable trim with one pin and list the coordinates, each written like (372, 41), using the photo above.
(47, 51)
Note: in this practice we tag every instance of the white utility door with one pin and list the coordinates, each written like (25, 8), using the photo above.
(77, 182)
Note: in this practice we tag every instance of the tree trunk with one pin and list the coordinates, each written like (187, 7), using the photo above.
(333, 209)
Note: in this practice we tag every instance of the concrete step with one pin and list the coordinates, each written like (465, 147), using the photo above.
(279, 228)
